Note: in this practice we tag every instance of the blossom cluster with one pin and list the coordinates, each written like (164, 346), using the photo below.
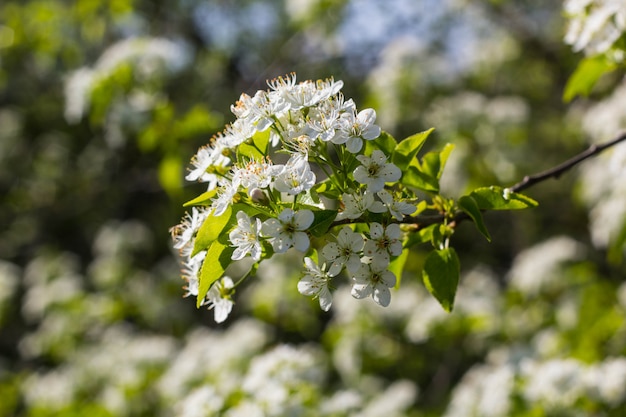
(595, 26)
(298, 157)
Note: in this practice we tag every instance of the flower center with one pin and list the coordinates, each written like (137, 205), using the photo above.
(373, 170)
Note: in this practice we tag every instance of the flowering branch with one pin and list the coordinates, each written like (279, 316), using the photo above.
(374, 202)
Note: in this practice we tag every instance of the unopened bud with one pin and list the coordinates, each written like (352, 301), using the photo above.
(258, 196)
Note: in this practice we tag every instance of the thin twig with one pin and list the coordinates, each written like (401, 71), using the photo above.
(422, 221)
(556, 172)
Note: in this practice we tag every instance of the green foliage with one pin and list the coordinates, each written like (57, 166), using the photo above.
(441, 276)
(323, 220)
(472, 209)
(215, 263)
(203, 199)
(212, 229)
(587, 74)
(404, 153)
(498, 198)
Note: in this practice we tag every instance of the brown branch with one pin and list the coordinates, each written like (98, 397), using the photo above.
(527, 182)
(556, 172)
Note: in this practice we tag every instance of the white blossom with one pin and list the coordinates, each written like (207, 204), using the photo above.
(296, 176)
(183, 234)
(256, 174)
(595, 25)
(219, 298)
(289, 230)
(373, 279)
(357, 203)
(245, 237)
(383, 242)
(207, 157)
(191, 271)
(353, 128)
(345, 252)
(225, 195)
(374, 171)
(315, 283)
(398, 209)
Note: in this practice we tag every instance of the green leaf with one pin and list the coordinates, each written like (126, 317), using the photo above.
(213, 267)
(327, 189)
(203, 199)
(408, 148)
(397, 266)
(385, 142)
(493, 198)
(433, 163)
(254, 148)
(211, 229)
(470, 207)
(322, 221)
(441, 276)
(586, 75)
(415, 178)
(421, 236)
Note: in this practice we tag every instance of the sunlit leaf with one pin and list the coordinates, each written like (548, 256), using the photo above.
(211, 230)
(256, 148)
(213, 267)
(408, 148)
(586, 75)
(415, 178)
(203, 199)
(495, 198)
(385, 142)
(433, 163)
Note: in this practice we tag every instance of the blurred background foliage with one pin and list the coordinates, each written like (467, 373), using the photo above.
(103, 103)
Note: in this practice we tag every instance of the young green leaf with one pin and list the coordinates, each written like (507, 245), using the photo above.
(213, 267)
(385, 142)
(423, 235)
(496, 198)
(256, 148)
(203, 199)
(415, 178)
(441, 276)
(586, 75)
(433, 163)
(211, 229)
(470, 207)
(408, 148)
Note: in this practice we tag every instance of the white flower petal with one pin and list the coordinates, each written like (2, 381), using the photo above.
(381, 295)
(307, 285)
(354, 144)
(360, 291)
(286, 215)
(272, 227)
(376, 230)
(303, 219)
(301, 241)
(325, 298)
(330, 251)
